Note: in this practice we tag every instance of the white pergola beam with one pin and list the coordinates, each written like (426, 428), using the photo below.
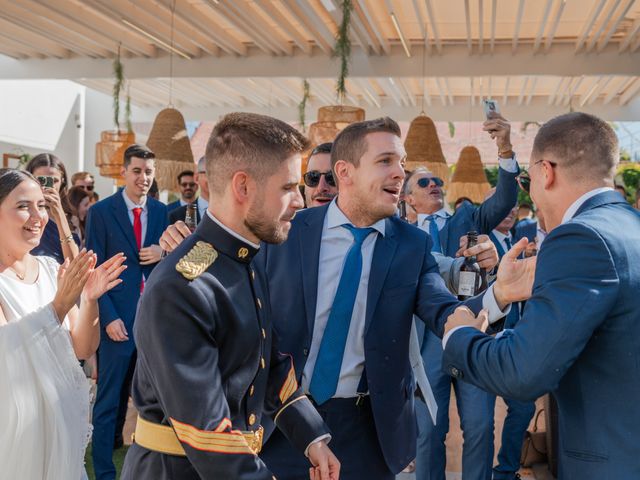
(602, 26)
(434, 25)
(543, 25)
(614, 26)
(554, 27)
(595, 12)
(467, 17)
(382, 39)
(494, 13)
(630, 35)
(516, 33)
(272, 12)
(457, 63)
(631, 91)
(480, 26)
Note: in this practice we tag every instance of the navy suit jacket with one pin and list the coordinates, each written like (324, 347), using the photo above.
(578, 338)
(180, 212)
(482, 219)
(173, 205)
(525, 228)
(109, 231)
(404, 280)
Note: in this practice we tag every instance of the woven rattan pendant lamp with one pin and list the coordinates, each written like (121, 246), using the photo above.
(469, 179)
(169, 141)
(423, 147)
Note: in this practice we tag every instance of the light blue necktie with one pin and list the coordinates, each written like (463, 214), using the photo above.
(326, 372)
(435, 234)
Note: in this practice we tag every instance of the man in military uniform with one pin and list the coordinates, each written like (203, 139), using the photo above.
(208, 364)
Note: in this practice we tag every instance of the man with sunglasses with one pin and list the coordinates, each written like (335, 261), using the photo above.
(202, 202)
(319, 185)
(83, 180)
(425, 193)
(578, 334)
(188, 189)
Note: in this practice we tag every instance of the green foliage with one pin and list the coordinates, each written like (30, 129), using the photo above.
(492, 176)
(118, 75)
(630, 174)
(303, 105)
(342, 49)
(24, 159)
(452, 129)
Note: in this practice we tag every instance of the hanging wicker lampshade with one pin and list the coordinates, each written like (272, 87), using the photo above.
(110, 151)
(469, 179)
(423, 147)
(331, 120)
(169, 141)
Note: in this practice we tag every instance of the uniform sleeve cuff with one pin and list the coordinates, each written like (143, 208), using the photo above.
(509, 164)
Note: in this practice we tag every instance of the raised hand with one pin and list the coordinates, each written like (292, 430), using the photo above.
(72, 277)
(514, 282)
(325, 464)
(500, 130)
(104, 278)
(174, 235)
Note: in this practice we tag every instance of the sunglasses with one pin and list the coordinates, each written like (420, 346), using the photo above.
(425, 181)
(524, 180)
(312, 178)
(88, 188)
(188, 184)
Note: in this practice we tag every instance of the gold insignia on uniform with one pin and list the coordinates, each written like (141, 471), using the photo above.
(199, 258)
(243, 252)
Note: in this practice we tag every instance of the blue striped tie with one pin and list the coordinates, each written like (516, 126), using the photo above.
(326, 371)
(435, 234)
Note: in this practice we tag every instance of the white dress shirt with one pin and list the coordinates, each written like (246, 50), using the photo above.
(441, 219)
(202, 206)
(143, 216)
(336, 242)
(231, 232)
(501, 237)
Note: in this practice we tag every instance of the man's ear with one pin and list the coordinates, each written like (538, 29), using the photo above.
(343, 172)
(241, 187)
(549, 175)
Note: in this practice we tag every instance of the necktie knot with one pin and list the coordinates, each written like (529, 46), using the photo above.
(359, 234)
(137, 211)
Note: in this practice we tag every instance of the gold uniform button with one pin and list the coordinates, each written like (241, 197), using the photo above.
(243, 252)
(264, 333)
(251, 389)
(259, 303)
(262, 362)
(252, 419)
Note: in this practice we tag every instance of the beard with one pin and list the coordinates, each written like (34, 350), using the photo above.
(267, 229)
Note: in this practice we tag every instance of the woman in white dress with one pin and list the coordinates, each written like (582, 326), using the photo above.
(44, 395)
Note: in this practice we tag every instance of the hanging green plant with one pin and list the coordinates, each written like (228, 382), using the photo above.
(303, 105)
(118, 87)
(452, 129)
(342, 49)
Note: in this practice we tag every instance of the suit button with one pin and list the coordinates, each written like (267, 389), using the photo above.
(305, 352)
(262, 363)
(455, 372)
(252, 419)
(251, 389)
(264, 333)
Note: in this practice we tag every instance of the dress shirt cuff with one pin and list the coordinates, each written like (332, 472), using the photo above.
(509, 164)
(490, 304)
(326, 436)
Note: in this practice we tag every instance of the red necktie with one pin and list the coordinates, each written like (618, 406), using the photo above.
(137, 231)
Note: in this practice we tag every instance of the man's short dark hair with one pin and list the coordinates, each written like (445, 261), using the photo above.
(585, 143)
(322, 148)
(525, 205)
(138, 151)
(255, 144)
(350, 144)
(185, 173)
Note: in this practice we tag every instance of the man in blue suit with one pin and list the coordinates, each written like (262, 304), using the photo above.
(188, 189)
(130, 222)
(578, 335)
(519, 413)
(475, 406)
(344, 288)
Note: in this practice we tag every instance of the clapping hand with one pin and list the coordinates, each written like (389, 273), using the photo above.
(463, 317)
(514, 282)
(72, 277)
(104, 278)
(325, 464)
(150, 255)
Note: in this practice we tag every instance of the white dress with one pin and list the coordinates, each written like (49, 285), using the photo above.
(44, 395)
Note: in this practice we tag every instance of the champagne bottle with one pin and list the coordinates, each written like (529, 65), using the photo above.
(471, 281)
(191, 216)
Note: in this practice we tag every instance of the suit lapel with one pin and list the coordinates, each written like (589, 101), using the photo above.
(309, 240)
(383, 253)
(444, 235)
(153, 223)
(122, 217)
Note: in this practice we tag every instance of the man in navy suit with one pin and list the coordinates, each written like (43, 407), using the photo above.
(344, 288)
(129, 222)
(519, 413)
(188, 189)
(578, 335)
(475, 406)
(202, 202)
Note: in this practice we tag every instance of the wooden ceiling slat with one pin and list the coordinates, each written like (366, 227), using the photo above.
(28, 37)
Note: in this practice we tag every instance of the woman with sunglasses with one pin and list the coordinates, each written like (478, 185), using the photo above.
(58, 242)
(320, 186)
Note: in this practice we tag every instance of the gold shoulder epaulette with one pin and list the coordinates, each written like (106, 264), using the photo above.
(199, 258)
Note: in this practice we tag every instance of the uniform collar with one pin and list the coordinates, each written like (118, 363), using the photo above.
(226, 240)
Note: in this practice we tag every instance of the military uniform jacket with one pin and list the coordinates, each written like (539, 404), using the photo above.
(208, 364)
